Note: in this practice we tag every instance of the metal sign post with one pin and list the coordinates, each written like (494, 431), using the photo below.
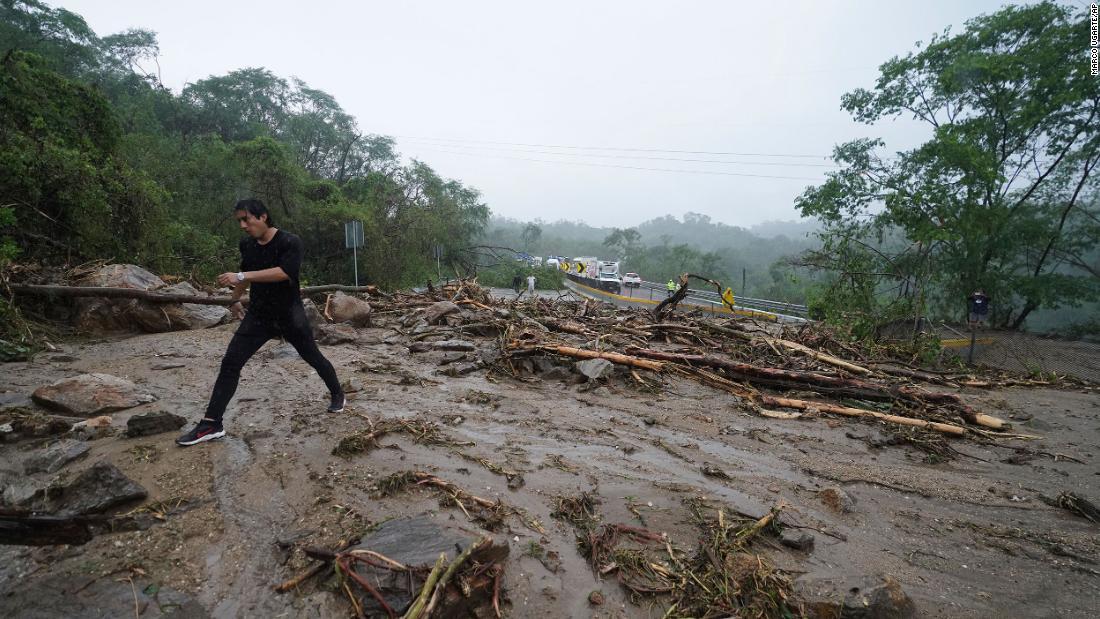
(353, 240)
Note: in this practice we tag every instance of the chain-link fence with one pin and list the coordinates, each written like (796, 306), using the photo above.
(1026, 353)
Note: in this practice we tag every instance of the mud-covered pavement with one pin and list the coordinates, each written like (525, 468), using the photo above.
(965, 537)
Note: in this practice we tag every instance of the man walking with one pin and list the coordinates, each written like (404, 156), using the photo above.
(271, 260)
(530, 285)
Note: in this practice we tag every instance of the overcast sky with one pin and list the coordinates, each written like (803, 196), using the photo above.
(462, 85)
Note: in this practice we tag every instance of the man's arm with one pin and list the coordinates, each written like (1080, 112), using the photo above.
(274, 274)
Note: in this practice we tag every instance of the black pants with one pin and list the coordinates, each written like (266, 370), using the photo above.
(254, 333)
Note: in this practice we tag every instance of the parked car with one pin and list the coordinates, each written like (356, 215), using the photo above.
(632, 280)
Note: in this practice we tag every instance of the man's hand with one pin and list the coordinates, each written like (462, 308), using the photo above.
(228, 279)
(237, 310)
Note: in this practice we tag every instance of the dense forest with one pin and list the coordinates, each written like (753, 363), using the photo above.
(100, 161)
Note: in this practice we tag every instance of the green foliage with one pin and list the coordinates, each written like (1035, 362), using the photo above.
(99, 160)
(1003, 194)
(500, 276)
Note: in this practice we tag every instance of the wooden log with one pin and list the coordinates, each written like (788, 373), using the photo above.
(152, 296)
(831, 384)
(416, 610)
(108, 292)
(445, 579)
(847, 411)
(613, 357)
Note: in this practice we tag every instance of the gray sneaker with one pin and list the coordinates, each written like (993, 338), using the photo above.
(338, 403)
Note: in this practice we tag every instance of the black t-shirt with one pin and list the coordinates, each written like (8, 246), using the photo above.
(273, 299)
(979, 304)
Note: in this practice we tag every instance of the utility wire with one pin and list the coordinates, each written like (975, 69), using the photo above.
(628, 167)
(606, 156)
(613, 148)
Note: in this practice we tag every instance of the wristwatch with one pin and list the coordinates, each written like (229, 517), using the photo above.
(240, 276)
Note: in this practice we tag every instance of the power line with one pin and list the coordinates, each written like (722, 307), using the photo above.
(606, 156)
(626, 167)
(614, 148)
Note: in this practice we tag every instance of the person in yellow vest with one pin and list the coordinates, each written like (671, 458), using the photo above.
(671, 285)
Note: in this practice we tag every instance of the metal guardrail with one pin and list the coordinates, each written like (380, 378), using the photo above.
(779, 307)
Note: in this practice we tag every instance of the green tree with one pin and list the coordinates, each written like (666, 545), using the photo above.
(531, 234)
(998, 197)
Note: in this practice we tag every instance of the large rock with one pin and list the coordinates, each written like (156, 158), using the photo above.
(459, 345)
(419, 541)
(161, 317)
(52, 595)
(837, 500)
(95, 490)
(106, 315)
(51, 459)
(153, 422)
(313, 315)
(594, 369)
(436, 311)
(91, 394)
(886, 601)
(345, 308)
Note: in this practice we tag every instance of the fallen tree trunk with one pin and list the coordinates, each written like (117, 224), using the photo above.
(795, 346)
(847, 411)
(613, 357)
(152, 296)
(830, 384)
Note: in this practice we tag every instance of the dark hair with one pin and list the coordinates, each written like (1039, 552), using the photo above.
(255, 208)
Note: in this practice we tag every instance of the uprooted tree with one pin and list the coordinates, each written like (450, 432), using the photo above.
(1003, 196)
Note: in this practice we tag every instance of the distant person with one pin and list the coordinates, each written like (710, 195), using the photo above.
(531, 284)
(271, 260)
(671, 285)
(517, 282)
(979, 308)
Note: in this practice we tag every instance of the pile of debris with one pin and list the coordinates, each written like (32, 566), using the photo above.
(763, 365)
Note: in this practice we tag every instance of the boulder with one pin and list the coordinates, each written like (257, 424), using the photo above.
(96, 427)
(51, 459)
(89, 595)
(837, 500)
(161, 317)
(451, 357)
(91, 394)
(153, 422)
(333, 335)
(419, 541)
(95, 490)
(798, 540)
(885, 601)
(460, 369)
(106, 315)
(461, 345)
(349, 309)
(436, 311)
(594, 369)
(313, 315)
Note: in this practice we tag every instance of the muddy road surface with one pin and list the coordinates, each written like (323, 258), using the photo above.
(968, 536)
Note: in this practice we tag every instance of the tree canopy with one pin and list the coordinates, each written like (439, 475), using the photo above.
(1003, 194)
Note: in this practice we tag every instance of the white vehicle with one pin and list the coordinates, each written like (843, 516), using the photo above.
(608, 276)
(552, 263)
(632, 280)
